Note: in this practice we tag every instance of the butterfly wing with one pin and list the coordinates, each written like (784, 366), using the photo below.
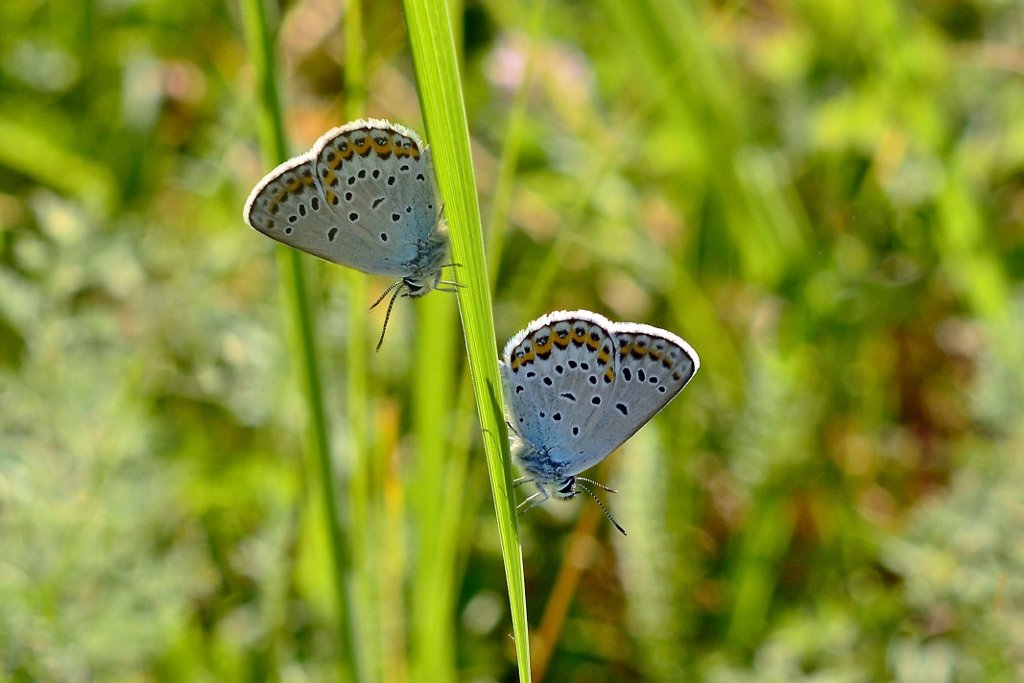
(378, 180)
(345, 210)
(651, 367)
(557, 374)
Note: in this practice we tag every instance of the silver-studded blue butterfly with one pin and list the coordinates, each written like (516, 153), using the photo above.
(364, 196)
(577, 385)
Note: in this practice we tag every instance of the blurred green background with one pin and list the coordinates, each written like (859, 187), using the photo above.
(825, 197)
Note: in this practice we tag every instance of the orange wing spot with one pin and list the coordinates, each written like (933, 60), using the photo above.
(345, 154)
(362, 149)
(545, 347)
(609, 375)
(385, 149)
(330, 178)
(294, 184)
(656, 355)
(677, 376)
(272, 208)
(307, 180)
(591, 344)
(579, 334)
(401, 150)
(625, 349)
(332, 198)
(335, 161)
(519, 361)
(666, 363)
(415, 151)
(603, 358)
(560, 342)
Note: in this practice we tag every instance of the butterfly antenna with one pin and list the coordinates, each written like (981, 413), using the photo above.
(597, 484)
(386, 292)
(387, 316)
(600, 504)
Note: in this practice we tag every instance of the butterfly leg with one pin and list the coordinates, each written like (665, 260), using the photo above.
(533, 501)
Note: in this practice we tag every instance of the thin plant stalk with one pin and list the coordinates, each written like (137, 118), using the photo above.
(260, 43)
(440, 90)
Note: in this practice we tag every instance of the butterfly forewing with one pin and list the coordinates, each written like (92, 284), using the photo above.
(558, 372)
(379, 177)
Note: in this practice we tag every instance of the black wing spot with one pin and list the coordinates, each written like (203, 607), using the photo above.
(592, 379)
(569, 395)
(376, 173)
(621, 407)
(521, 420)
(420, 177)
(403, 167)
(377, 202)
(292, 218)
(559, 369)
(302, 209)
(557, 417)
(396, 217)
(351, 180)
(547, 381)
(662, 388)
(362, 173)
(641, 375)
(575, 431)
(573, 364)
(287, 230)
(348, 196)
(542, 414)
(584, 366)
(383, 237)
(315, 203)
(627, 374)
(520, 388)
(531, 374)
(652, 379)
(596, 400)
(353, 216)
(391, 180)
(331, 234)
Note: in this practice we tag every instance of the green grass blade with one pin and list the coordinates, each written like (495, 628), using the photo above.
(260, 43)
(444, 115)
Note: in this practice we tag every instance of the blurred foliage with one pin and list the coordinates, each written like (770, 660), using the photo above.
(825, 197)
